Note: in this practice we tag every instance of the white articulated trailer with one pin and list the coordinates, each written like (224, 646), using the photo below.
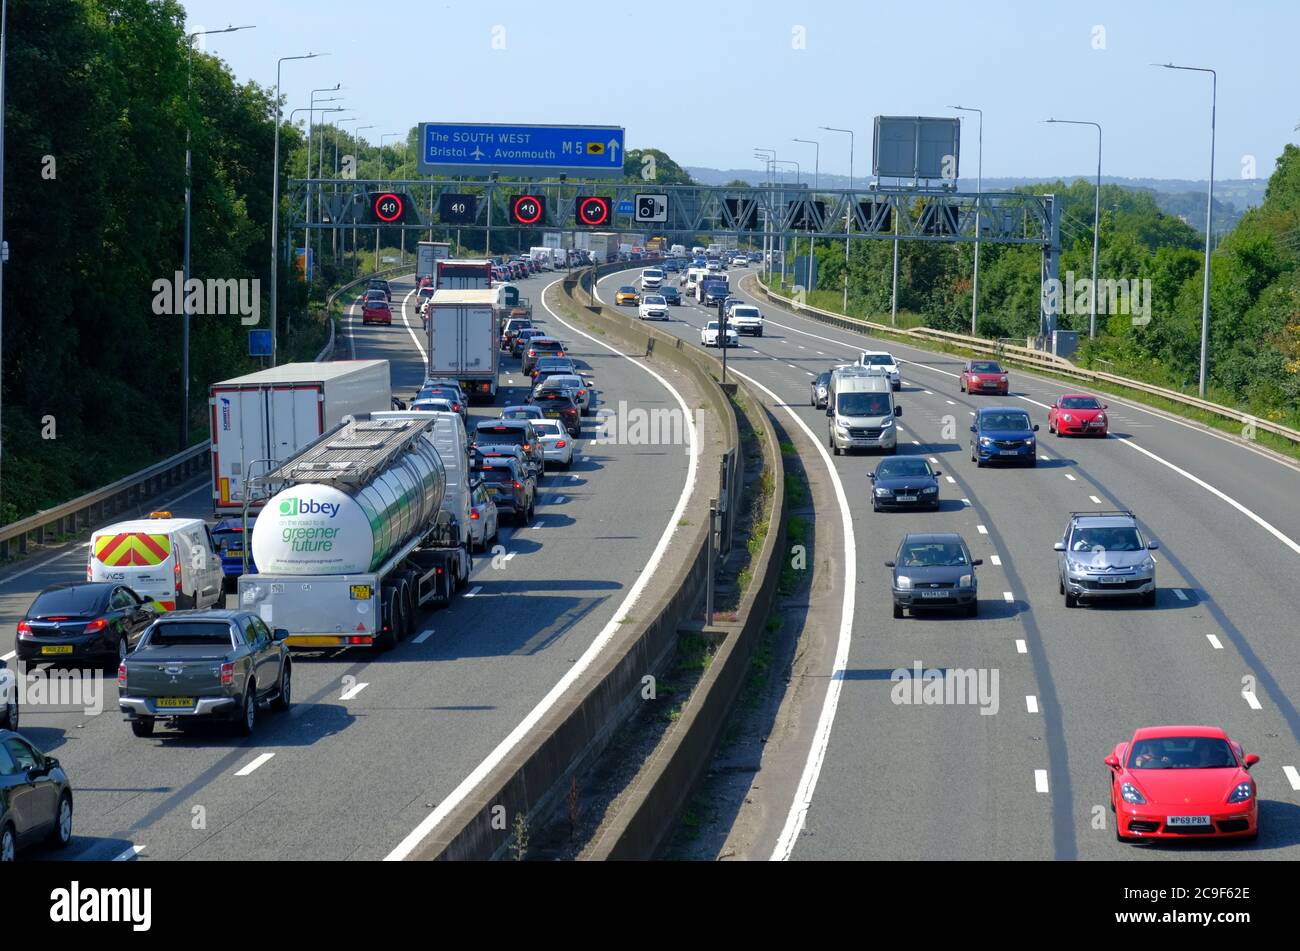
(371, 525)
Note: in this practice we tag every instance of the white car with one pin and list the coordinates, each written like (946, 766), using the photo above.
(484, 524)
(879, 358)
(709, 336)
(739, 261)
(557, 445)
(747, 319)
(653, 307)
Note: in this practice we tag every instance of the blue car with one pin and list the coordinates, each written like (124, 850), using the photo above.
(229, 537)
(1003, 434)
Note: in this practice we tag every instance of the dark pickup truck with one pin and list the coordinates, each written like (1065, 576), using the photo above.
(204, 664)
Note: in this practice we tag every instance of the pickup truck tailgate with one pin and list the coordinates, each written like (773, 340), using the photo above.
(182, 671)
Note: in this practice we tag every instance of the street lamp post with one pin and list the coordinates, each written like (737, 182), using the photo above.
(311, 115)
(356, 248)
(848, 212)
(1096, 225)
(275, 207)
(185, 258)
(769, 237)
(338, 129)
(798, 180)
(812, 242)
(402, 232)
(1209, 218)
(311, 123)
(979, 191)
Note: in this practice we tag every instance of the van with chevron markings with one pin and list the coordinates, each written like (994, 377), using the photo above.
(172, 561)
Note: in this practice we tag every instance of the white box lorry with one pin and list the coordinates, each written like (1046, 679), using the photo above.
(465, 339)
(427, 256)
(371, 526)
(261, 419)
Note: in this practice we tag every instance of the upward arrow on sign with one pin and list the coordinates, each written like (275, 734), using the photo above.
(612, 145)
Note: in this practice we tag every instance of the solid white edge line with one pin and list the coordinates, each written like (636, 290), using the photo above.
(798, 813)
(597, 646)
(256, 762)
(1268, 527)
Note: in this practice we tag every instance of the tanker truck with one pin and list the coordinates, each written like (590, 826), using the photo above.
(368, 525)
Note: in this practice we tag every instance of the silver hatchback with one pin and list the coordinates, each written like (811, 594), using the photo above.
(1105, 555)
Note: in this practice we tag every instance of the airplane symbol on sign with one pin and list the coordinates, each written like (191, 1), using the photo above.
(477, 153)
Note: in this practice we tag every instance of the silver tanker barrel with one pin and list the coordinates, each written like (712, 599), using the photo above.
(359, 494)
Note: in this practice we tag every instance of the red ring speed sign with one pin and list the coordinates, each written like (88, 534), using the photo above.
(527, 209)
(593, 210)
(389, 207)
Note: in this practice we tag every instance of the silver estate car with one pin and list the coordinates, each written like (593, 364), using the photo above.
(1104, 555)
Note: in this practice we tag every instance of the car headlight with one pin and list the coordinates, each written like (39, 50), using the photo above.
(1067, 417)
(1101, 417)
(1242, 793)
(884, 491)
(965, 581)
(1148, 565)
(1130, 794)
(904, 581)
(930, 490)
(985, 441)
(1030, 441)
(889, 421)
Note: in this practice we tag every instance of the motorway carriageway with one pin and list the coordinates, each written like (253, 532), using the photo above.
(875, 780)
(374, 742)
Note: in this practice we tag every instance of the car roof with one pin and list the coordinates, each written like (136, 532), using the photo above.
(209, 614)
(65, 585)
(1104, 521)
(1002, 409)
(151, 526)
(925, 538)
(1157, 732)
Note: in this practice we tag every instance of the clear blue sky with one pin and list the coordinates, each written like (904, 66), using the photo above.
(656, 67)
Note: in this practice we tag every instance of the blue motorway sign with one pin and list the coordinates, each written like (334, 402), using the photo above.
(259, 343)
(540, 151)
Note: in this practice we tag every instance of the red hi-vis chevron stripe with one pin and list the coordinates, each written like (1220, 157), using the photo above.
(132, 549)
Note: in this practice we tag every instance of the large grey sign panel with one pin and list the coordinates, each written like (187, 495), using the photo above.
(916, 147)
(541, 151)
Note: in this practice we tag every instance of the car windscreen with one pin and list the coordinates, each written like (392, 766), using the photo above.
(902, 468)
(985, 366)
(184, 633)
(519, 413)
(744, 312)
(653, 299)
(1080, 402)
(553, 346)
(877, 360)
(1182, 752)
(1117, 538)
(823, 379)
(83, 599)
(548, 427)
(627, 289)
(1005, 421)
(931, 555)
(231, 539)
(863, 404)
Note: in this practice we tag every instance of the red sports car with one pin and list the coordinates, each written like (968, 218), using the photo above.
(984, 376)
(1077, 414)
(375, 310)
(1179, 782)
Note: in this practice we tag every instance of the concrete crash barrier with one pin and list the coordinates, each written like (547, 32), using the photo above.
(530, 781)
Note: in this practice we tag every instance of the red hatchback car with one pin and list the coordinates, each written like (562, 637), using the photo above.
(1181, 782)
(984, 376)
(376, 311)
(1077, 414)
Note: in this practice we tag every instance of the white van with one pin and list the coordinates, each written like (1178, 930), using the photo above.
(860, 410)
(693, 277)
(173, 561)
(651, 278)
